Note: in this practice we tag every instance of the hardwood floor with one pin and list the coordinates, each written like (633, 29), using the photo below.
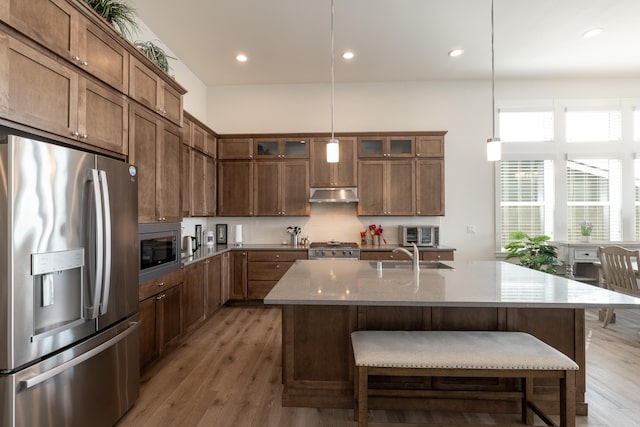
(228, 374)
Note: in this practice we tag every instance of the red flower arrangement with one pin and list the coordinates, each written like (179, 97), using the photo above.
(376, 231)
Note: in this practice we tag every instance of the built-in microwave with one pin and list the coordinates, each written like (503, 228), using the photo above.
(428, 235)
(159, 250)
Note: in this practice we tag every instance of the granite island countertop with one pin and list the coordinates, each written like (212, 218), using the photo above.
(467, 284)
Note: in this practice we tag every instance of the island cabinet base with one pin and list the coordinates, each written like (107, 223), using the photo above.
(318, 361)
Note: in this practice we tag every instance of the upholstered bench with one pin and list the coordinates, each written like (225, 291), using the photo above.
(463, 354)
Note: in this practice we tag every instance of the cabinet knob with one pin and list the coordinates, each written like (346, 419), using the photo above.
(390, 256)
(417, 154)
(278, 256)
(85, 63)
(161, 284)
(207, 262)
(75, 133)
(277, 265)
(75, 58)
(418, 212)
(84, 136)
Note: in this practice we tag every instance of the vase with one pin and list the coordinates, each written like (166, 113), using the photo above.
(376, 239)
(585, 239)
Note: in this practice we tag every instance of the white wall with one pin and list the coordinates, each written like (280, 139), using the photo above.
(463, 108)
(195, 101)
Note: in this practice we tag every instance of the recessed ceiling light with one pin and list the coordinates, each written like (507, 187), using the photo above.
(592, 32)
(348, 55)
(456, 52)
(241, 58)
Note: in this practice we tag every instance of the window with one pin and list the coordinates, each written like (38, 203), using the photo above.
(594, 195)
(526, 197)
(636, 125)
(593, 125)
(525, 126)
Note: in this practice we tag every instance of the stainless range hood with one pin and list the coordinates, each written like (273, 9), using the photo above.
(334, 195)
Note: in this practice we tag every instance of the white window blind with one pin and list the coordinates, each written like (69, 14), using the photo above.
(636, 124)
(525, 126)
(526, 197)
(594, 196)
(593, 125)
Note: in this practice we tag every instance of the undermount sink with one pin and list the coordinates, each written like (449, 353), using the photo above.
(409, 264)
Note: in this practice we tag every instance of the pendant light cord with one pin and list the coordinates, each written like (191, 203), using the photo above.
(493, 100)
(332, 70)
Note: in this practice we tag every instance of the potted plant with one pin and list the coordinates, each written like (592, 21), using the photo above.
(155, 53)
(585, 231)
(119, 13)
(533, 252)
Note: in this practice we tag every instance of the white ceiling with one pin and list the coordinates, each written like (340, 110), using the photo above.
(288, 41)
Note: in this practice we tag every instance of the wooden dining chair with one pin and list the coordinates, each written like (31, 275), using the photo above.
(619, 267)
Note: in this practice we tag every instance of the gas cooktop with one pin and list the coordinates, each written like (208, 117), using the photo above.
(334, 250)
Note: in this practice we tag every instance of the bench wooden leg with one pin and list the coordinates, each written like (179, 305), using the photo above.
(527, 394)
(363, 385)
(568, 399)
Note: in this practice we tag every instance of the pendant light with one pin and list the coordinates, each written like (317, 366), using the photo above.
(333, 147)
(494, 146)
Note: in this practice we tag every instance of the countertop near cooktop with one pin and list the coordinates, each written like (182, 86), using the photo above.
(210, 251)
(467, 284)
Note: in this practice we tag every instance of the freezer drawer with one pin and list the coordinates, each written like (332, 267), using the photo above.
(93, 383)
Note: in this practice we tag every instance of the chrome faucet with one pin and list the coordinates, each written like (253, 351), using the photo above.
(415, 256)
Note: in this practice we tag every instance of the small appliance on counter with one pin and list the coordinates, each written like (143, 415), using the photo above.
(427, 235)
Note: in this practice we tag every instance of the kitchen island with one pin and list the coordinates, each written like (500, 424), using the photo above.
(324, 301)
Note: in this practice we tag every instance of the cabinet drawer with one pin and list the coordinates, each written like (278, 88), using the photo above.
(585, 254)
(436, 255)
(268, 270)
(258, 289)
(277, 255)
(167, 281)
(382, 256)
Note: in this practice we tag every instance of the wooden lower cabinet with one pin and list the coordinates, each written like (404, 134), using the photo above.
(213, 281)
(194, 296)
(265, 268)
(425, 255)
(160, 316)
(238, 275)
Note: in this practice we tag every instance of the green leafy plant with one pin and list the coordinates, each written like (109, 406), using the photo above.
(533, 252)
(586, 228)
(154, 53)
(118, 13)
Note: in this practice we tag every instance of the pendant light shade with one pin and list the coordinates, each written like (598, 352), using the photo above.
(333, 146)
(494, 146)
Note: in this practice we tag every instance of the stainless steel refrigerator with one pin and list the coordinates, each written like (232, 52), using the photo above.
(68, 286)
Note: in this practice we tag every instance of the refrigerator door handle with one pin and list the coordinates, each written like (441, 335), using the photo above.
(38, 379)
(106, 284)
(99, 246)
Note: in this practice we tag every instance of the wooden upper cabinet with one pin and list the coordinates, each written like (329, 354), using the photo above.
(198, 137)
(281, 188)
(430, 187)
(187, 124)
(198, 162)
(149, 88)
(185, 181)
(429, 146)
(235, 188)
(104, 122)
(40, 92)
(386, 146)
(156, 150)
(60, 27)
(341, 174)
(386, 187)
(235, 148)
(265, 148)
(210, 187)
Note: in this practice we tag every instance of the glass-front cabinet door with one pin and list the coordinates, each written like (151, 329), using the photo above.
(281, 148)
(386, 146)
